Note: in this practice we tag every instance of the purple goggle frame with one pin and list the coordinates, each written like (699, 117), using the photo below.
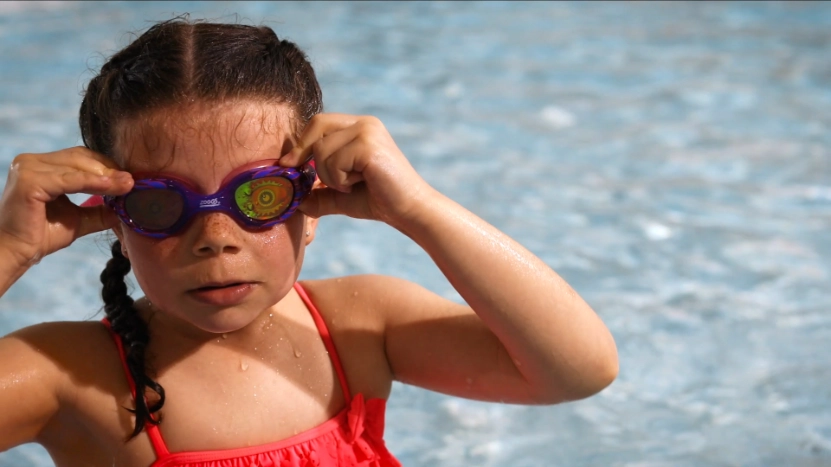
(257, 195)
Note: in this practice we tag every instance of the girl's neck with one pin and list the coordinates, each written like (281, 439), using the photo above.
(169, 331)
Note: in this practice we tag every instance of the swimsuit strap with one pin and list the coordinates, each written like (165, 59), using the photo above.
(152, 430)
(327, 340)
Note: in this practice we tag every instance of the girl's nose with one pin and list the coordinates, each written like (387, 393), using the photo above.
(216, 233)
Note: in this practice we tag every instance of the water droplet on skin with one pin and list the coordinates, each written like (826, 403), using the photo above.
(297, 353)
(224, 336)
(243, 365)
(270, 315)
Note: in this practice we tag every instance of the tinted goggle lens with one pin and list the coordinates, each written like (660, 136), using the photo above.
(154, 209)
(264, 198)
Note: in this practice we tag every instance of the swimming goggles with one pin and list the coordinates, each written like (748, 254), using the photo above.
(257, 195)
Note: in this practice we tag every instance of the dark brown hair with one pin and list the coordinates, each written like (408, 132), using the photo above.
(173, 63)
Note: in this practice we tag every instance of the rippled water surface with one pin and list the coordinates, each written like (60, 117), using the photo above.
(670, 160)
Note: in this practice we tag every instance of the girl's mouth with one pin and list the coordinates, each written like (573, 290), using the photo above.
(223, 295)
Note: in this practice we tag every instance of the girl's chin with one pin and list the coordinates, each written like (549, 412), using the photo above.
(226, 324)
(212, 324)
(202, 320)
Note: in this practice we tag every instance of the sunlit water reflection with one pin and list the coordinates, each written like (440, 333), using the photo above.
(670, 160)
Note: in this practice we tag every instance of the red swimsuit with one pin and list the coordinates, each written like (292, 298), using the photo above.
(353, 437)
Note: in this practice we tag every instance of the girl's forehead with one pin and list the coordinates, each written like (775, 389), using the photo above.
(205, 139)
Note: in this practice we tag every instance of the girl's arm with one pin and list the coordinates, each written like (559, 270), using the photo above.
(29, 388)
(36, 219)
(544, 331)
(532, 338)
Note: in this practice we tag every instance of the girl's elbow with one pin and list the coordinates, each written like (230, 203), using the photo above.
(593, 378)
(585, 385)
(603, 374)
(608, 371)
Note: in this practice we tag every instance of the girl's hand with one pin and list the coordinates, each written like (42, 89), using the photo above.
(36, 216)
(365, 174)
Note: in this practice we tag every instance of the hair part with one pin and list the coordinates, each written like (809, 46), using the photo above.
(179, 62)
(173, 64)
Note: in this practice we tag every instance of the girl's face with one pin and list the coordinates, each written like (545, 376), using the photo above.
(215, 274)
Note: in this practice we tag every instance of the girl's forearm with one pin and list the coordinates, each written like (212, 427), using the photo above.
(555, 339)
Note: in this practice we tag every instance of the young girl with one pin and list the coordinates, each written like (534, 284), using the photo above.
(210, 160)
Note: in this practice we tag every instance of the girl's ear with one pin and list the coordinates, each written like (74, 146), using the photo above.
(311, 227)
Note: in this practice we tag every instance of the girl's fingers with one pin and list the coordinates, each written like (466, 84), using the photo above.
(318, 127)
(84, 159)
(78, 158)
(343, 168)
(76, 221)
(95, 219)
(44, 177)
(35, 210)
(73, 181)
(321, 202)
(329, 144)
(327, 201)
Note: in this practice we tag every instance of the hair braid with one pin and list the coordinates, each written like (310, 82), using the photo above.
(125, 321)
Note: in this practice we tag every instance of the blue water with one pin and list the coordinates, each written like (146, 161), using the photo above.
(670, 160)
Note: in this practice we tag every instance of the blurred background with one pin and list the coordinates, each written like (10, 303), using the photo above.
(670, 160)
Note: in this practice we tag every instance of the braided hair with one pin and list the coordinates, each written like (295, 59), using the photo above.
(126, 323)
(176, 62)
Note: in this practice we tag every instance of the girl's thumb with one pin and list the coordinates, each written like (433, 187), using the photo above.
(95, 219)
(321, 202)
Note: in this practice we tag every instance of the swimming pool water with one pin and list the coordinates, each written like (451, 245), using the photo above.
(670, 160)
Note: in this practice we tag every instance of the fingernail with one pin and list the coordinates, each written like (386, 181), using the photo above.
(122, 177)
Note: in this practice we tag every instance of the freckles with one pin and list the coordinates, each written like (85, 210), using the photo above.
(217, 223)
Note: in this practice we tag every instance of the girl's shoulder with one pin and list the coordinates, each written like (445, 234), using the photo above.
(354, 296)
(56, 367)
(374, 299)
(350, 308)
(73, 351)
(367, 298)
(65, 338)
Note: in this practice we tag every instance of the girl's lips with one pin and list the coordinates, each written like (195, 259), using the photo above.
(223, 295)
